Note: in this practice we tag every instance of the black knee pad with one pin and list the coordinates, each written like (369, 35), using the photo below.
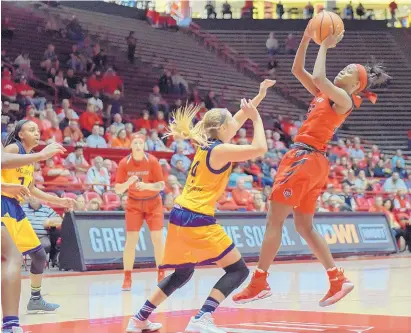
(38, 261)
(233, 278)
(176, 280)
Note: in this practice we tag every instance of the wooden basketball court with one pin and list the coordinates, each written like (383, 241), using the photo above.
(93, 302)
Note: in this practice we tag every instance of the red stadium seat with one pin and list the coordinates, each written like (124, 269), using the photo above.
(362, 204)
(89, 195)
(111, 201)
(69, 195)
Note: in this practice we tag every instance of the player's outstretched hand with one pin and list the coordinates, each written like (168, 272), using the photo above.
(266, 84)
(332, 40)
(52, 149)
(68, 203)
(249, 109)
(17, 191)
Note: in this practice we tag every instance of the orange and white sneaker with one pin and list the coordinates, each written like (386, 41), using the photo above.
(127, 281)
(258, 288)
(340, 287)
(161, 274)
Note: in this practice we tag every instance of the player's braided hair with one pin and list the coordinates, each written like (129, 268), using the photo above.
(14, 135)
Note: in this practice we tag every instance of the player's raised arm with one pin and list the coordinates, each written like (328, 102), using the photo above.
(241, 116)
(234, 153)
(10, 159)
(298, 69)
(338, 95)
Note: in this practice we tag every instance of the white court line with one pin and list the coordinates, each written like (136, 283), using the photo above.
(284, 327)
(240, 330)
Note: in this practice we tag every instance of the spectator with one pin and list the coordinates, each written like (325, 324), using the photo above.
(94, 83)
(363, 184)
(168, 202)
(195, 97)
(62, 86)
(356, 152)
(258, 204)
(31, 115)
(118, 122)
(188, 147)
(399, 168)
(402, 204)
(123, 203)
(272, 67)
(26, 94)
(74, 29)
(242, 137)
(279, 145)
(349, 11)
(280, 10)
(378, 205)
(121, 141)
(268, 178)
(80, 203)
(56, 174)
(131, 46)
(23, 64)
(72, 133)
(88, 119)
(308, 11)
(166, 82)
(50, 59)
(349, 201)
(241, 195)
(95, 140)
(211, 14)
(394, 184)
(179, 156)
(396, 228)
(350, 179)
(129, 130)
(380, 171)
(156, 101)
(53, 134)
(393, 8)
(180, 85)
(115, 106)
(82, 90)
(143, 122)
(272, 44)
(291, 44)
(75, 60)
(173, 186)
(72, 80)
(111, 83)
(398, 157)
(210, 101)
(179, 172)
(9, 129)
(46, 224)
(99, 60)
(159, 124)
(96, 101)
(66, 114)
(237, 174)
(98, 176)
(7, 29)
(341, 149)
(360, 10)
(8, 88)
(8, 115)
(76, 161)
(227, 10)
(154, 143)
(110, 134)
(94, 205)
(319, 207)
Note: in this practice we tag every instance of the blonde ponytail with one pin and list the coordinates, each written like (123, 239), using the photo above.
(182, 125)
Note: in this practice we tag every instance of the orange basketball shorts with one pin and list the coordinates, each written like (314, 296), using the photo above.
(301, 176)
(140, 210)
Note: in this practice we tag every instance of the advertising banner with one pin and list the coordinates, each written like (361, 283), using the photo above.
(98, 238)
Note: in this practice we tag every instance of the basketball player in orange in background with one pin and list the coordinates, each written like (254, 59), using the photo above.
(303, 171)
(140, 174)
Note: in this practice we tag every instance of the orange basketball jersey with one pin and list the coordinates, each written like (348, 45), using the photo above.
(321, 123)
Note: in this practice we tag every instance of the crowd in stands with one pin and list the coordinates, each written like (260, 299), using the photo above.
(359, 180)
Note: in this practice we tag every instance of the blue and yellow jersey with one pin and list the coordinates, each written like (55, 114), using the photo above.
(20, 176)
(204, 185)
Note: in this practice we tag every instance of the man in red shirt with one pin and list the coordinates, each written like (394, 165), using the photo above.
(53, 133)
(111, 82)
(140, 174)
(94, 84)
(159, 124)
(88, 119)
(26, 93)
(8, 88)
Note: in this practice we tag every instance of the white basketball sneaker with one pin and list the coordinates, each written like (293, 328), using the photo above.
(139, 326)
(204, 324)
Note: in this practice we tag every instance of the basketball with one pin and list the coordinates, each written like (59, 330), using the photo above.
(323, 24)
